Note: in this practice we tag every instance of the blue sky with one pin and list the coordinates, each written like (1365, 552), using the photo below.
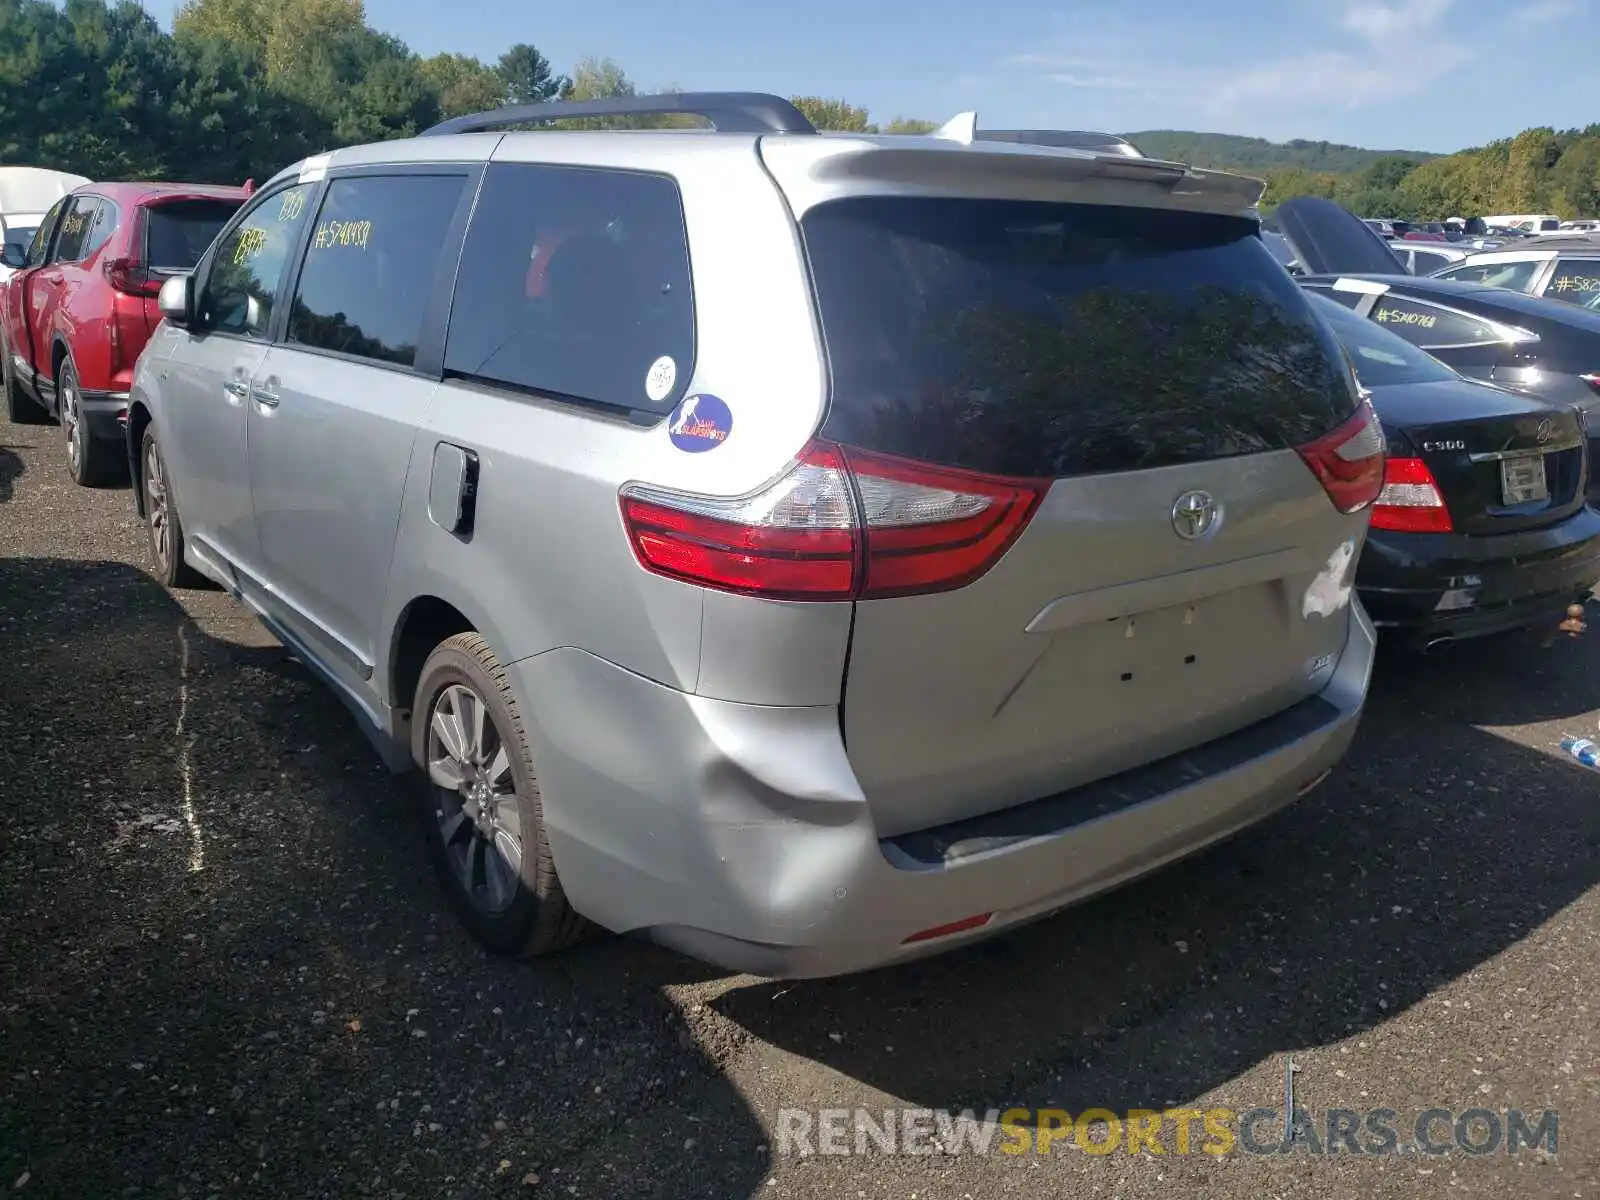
(1414, 74)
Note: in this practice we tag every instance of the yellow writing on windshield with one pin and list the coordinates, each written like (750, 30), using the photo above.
(74, 224)
(1395, 316)
(294, 203)
(252, 241)
(342, 233)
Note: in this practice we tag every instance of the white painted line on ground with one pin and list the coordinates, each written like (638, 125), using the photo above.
(197, 852)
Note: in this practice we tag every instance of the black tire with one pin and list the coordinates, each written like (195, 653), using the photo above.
(165, 552)
(91, 461)
(20, 409)
(518, 910)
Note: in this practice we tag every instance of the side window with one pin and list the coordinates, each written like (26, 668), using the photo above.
(370, 265)
(1576, 280)
(41, 237)
(1513, 276)
(1424, 263)
(1425, 325)
(575, 282)
(246, 269)
(105, 224)
(73, 239)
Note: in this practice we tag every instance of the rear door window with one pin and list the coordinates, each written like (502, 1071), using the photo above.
(574, 282)
(1513, 276)
(1576, 281)
(1428, 325)
(1046, 339)
(368, 277)
(179, 232)
(102, 227)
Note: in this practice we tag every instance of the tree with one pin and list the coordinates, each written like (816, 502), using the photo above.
(526, 76)
(464, 84)
(832, 114)
(908, 125)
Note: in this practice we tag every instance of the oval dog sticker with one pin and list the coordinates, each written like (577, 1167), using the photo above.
(701, 422)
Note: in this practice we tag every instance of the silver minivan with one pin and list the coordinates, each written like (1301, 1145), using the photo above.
(808, 551)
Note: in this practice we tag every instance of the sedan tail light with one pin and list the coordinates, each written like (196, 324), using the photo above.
(1349, 460)
(1410, 501)
(838, 524)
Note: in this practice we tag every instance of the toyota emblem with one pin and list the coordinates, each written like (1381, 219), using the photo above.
(1546, 428)
(1194, 514)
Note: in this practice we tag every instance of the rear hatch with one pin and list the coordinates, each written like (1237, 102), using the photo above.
(1135, 363)
(177, 232)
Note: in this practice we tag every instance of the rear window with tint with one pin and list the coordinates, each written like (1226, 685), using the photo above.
(1512, 276)
(177, 234)
(1038, 339)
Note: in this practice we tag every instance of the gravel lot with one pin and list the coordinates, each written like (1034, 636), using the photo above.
(225, 969)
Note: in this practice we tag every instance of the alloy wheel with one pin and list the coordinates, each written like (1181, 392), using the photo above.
(475, 798)
(157, 505)
(72, 426)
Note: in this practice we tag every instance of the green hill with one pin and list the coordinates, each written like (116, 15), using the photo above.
(1225, 150)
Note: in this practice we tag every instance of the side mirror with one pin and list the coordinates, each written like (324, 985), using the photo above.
(13, 255)
(176, 300)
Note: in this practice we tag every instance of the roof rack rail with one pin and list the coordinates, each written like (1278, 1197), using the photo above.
(728, 112)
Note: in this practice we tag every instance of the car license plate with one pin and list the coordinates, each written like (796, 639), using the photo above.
(1522, 480)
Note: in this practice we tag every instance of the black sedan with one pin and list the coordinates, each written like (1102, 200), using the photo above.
(1481, 526)
(1546, 349)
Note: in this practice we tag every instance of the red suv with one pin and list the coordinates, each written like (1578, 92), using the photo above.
(82, 305)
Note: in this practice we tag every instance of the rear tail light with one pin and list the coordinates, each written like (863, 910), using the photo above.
(839, 524)
(128, 276)
(1349, 460)
(1410, 501)
(1593, 380)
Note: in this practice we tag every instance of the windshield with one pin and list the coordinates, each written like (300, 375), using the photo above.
(1379, 357)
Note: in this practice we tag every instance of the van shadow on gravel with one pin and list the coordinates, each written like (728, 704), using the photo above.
(301, 1015)
(1434, 847)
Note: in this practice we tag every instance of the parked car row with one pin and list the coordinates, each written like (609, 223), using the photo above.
(81, 305)
(977, 525)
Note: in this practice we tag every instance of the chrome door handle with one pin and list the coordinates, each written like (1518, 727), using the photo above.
(264, 398)
(236, 388)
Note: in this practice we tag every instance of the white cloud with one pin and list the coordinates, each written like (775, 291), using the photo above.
(1549, 10)
(1154, 75)
(1378, 22)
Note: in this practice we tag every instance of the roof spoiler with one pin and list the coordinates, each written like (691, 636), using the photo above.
(728, 112)
(964, 128)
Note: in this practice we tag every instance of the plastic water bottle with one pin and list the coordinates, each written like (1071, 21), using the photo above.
(1584, 750)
